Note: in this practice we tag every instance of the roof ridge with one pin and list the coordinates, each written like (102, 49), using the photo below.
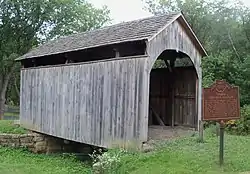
(144, 18)
(124, 23)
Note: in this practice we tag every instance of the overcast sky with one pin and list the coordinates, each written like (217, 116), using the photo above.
(126, 10)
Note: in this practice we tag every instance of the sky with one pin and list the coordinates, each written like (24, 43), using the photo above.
(127, 10)
(123, 10)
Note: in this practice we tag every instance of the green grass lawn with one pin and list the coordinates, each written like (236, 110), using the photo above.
(185, 156)
(11, 114)
(17, 161)
(7, 126)
(12, 109)
(182, 156)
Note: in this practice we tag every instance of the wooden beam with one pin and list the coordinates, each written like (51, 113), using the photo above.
(173, 108)
(196, 103)
(157, 116)
(67, 58)
(168, 65)
(172, 62)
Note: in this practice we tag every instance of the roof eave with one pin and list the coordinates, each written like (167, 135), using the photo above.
(19, 59)
(163, 28)
(24, 57)
(203, 50)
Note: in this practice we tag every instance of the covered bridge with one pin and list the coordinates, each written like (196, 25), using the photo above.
(99, 87)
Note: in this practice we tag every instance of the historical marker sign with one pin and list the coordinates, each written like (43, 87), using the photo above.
(221, 102)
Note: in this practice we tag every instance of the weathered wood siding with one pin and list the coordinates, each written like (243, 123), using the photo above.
(185, 113)
(161, 94)
(176, 37)
(98, 103)
(181, 82)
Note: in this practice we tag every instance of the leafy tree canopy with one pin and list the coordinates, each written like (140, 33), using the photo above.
(25, 24)
(224, 29)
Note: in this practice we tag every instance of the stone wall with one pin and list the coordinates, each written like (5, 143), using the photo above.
(14, 140)
(40, 143)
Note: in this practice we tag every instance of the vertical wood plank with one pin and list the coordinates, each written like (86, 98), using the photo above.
(97, 104)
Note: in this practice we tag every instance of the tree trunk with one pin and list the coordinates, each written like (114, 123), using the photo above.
(2, 107)
(16, 88)
(3, 91)
(1, 102)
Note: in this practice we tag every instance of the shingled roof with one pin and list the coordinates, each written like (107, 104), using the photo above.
(136, 30)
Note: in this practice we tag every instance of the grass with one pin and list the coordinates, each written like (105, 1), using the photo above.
(186, 156)
(181, 156)
(7, 126)
(12, 111)
(11, 114)
(18, 161)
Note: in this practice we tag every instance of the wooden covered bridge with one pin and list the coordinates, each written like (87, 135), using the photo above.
(99, 88)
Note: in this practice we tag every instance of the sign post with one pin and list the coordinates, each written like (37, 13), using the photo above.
(221, 103)
(221, 143)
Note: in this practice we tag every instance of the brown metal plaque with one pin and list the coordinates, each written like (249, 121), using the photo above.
(221, 102)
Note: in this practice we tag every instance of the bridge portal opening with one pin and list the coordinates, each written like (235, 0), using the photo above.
(172, 97)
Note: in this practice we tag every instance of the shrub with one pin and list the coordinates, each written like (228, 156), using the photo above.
(207, 124)
(107, 162)
(241, 126)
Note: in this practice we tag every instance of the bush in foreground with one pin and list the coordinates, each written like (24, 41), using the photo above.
(241, 126)
(108, 162)
(236, 127)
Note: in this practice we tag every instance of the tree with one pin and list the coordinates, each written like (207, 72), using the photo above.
(25, 24)
(224, 29)
(211, 20)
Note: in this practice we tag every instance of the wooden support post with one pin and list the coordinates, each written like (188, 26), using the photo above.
(168, 65)
(173, 113)
(201, 139)
(66, 56)
(117, 54)
(34, 62)
(197, 105)
(172, 63)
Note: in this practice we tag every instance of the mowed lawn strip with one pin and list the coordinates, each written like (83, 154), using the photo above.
(188, 156)
(18, 161)
(8, 127)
